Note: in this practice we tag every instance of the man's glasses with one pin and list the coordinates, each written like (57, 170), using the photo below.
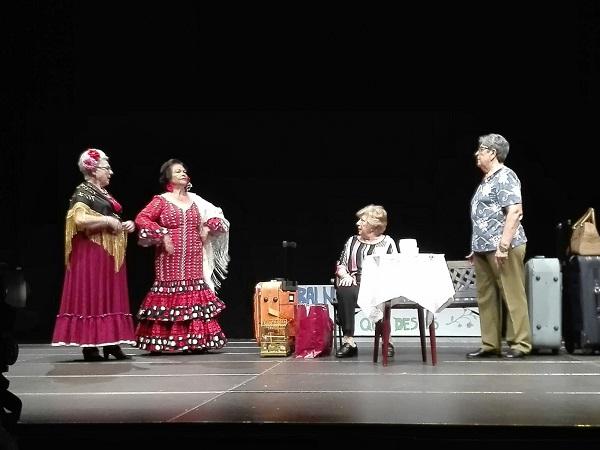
(484, 148)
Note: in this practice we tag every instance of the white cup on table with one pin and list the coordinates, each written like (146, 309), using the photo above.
(408, 247)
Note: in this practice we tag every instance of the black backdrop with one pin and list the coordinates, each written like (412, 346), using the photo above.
(271, 115)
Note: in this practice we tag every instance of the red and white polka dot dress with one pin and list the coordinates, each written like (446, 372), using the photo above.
(179, 312)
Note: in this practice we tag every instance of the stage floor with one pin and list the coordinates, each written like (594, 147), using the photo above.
(540, 398)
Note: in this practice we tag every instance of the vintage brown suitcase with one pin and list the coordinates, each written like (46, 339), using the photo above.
(272, 302)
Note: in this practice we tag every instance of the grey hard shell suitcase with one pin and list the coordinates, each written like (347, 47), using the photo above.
(544, 297)
(581, 305)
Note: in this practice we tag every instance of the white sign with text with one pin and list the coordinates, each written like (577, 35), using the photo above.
(449, 322)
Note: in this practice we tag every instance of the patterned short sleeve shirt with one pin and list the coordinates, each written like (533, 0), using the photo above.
(501, 190)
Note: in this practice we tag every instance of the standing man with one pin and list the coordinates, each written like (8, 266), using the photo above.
(498, 246)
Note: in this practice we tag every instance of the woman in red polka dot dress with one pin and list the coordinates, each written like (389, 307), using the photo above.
(191, 237)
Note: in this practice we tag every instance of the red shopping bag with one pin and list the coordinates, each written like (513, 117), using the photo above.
(314, 331)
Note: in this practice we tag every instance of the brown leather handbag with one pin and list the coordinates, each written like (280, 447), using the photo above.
(585, 239)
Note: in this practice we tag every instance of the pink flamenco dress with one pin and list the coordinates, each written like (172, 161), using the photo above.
(180, 311)
(94, 308)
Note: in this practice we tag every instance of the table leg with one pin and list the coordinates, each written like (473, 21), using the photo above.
(433, 343)
(422, 333)
(386, 333)
(378, 332)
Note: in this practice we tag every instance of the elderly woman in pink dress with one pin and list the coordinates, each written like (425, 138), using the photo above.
(191, 238)
(94, 309)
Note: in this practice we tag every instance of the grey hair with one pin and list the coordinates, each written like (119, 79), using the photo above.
(87, 165)
(498, 143)
(374, 215)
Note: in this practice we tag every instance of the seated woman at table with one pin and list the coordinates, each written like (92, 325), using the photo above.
(370, 240)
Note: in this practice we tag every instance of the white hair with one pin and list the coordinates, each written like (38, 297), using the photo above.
(87, 163)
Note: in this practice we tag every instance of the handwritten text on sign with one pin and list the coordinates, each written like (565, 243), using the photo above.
(316, 294)
(449, 322)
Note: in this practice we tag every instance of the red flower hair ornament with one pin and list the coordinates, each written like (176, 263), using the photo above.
(91, 161)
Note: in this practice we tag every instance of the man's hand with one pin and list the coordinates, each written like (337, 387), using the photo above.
(501, 256)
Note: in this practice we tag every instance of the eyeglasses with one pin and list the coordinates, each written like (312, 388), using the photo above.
(107, 168)
(484, 148)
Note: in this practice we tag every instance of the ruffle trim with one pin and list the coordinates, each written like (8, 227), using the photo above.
(188, 342)
(102, 344)
(181, 313)
(176, 287)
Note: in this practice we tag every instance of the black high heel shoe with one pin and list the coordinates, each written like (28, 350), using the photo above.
(114, 350)
(91, 354)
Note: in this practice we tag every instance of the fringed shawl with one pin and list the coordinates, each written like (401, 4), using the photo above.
(215, 252)
(86, 201)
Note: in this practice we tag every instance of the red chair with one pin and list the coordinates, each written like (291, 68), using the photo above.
(383, 328)
(463, 278)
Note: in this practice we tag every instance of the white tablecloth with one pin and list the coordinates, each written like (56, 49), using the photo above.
(422, 278)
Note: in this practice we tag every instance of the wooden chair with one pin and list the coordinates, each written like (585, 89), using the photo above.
(383, 328)
(462, 274)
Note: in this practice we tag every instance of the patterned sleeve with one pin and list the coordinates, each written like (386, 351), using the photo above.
(216, 225)
(509, 189)
(344, 256)
(391, 245)
(150, 232)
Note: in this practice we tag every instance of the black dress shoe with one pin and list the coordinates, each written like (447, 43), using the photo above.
(347, 351)
(481, 353)
(92, 354)
(390, 350)
(115, 351)
(513, 353)
(196, 351)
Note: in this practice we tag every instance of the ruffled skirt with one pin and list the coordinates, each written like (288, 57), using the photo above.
(178, 316)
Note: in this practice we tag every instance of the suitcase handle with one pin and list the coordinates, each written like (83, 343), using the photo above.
(589, 214)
